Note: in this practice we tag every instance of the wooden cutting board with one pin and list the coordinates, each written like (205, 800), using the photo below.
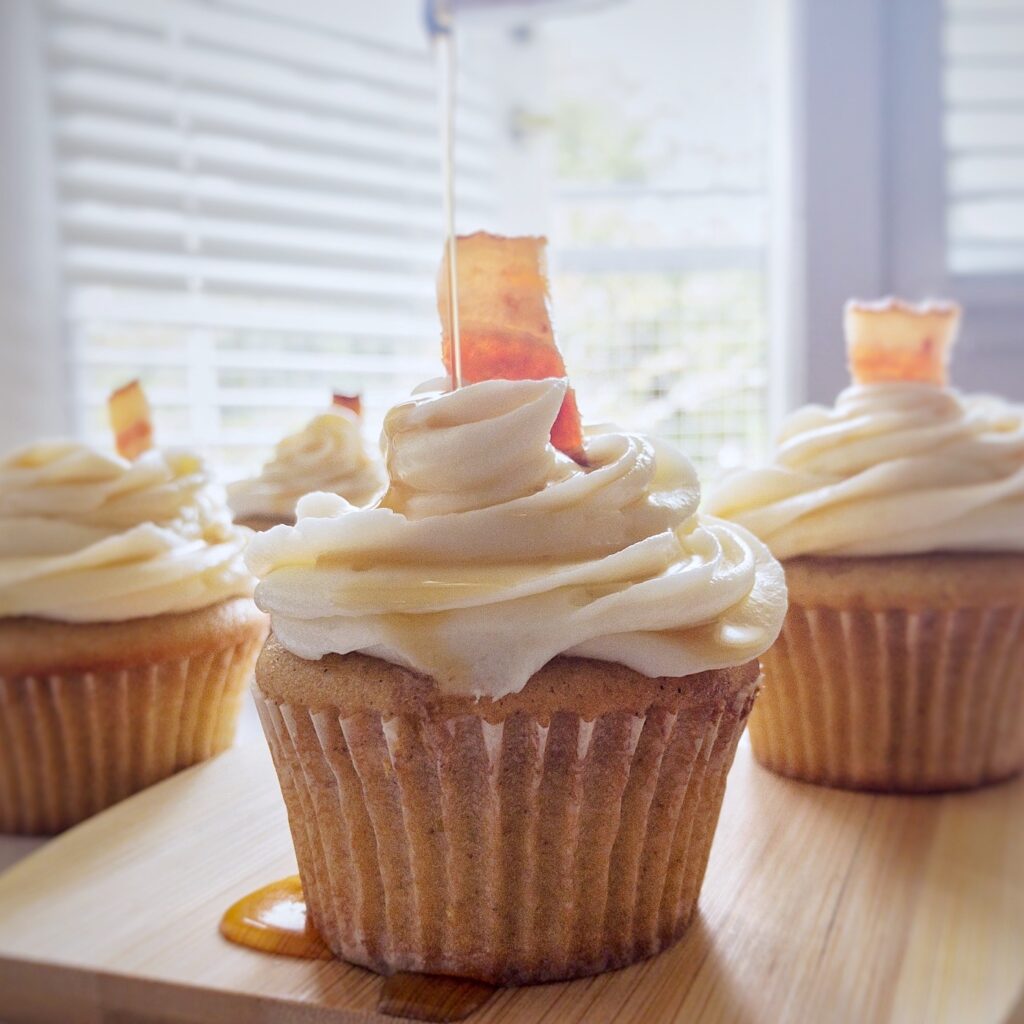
(818, 906)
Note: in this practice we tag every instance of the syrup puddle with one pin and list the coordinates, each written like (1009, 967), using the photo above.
(274, 919)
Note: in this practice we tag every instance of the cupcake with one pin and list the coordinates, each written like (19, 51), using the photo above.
(899, 517)
(503, 700)
(327, 454)
(127, 627)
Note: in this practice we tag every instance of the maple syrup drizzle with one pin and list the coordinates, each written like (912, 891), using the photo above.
(274, 919)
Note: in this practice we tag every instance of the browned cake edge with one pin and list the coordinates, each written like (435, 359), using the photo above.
(939, 580)
(30, 645)
(587, 687)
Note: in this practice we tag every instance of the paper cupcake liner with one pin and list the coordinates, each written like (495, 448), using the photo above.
(894, 700)
(72, 744)
(524, 850)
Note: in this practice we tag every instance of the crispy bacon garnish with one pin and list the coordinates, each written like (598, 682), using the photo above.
(893, 340)
(505, 322)
(354, 403)
(131, 420)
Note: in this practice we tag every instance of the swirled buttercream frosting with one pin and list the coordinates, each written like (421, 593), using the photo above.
(893, 468)
(491, 553)
(91, 537)
(327, 454)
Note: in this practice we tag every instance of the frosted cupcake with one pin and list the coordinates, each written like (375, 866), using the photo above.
(899, 517)
(327, 454)
(503, 700)
(127, 628)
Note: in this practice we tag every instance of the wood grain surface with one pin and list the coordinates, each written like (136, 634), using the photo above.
(818, 906)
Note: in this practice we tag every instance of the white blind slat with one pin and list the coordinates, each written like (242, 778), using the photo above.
(986, 174)
(210, 273)
(144, 308)
(134, 183)
(975, 131)
(987, 86)
(172, 229)
(277, 361)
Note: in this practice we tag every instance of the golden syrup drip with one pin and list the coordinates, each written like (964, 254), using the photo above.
(274, 920)
(432, 997)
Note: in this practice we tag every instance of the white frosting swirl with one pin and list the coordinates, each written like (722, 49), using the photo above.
(91, 537)
(892, 469)
(491, 553)
(327, 454)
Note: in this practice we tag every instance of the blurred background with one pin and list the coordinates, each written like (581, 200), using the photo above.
(239, 201)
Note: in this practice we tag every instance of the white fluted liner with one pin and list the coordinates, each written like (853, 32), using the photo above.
(896, 700)
(511, 851)
(72, 744)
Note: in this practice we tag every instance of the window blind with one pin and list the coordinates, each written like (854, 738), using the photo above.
(984, 135)
(250, 211)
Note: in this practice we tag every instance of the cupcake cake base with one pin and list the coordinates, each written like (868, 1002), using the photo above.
(902, 674)
(93, 712)
(558, 832)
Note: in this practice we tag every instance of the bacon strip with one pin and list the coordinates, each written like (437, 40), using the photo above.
(893, 340)
(131, 420)
(505, 321)
(354, 403)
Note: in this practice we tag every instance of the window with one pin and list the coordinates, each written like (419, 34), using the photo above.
(249, 207)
